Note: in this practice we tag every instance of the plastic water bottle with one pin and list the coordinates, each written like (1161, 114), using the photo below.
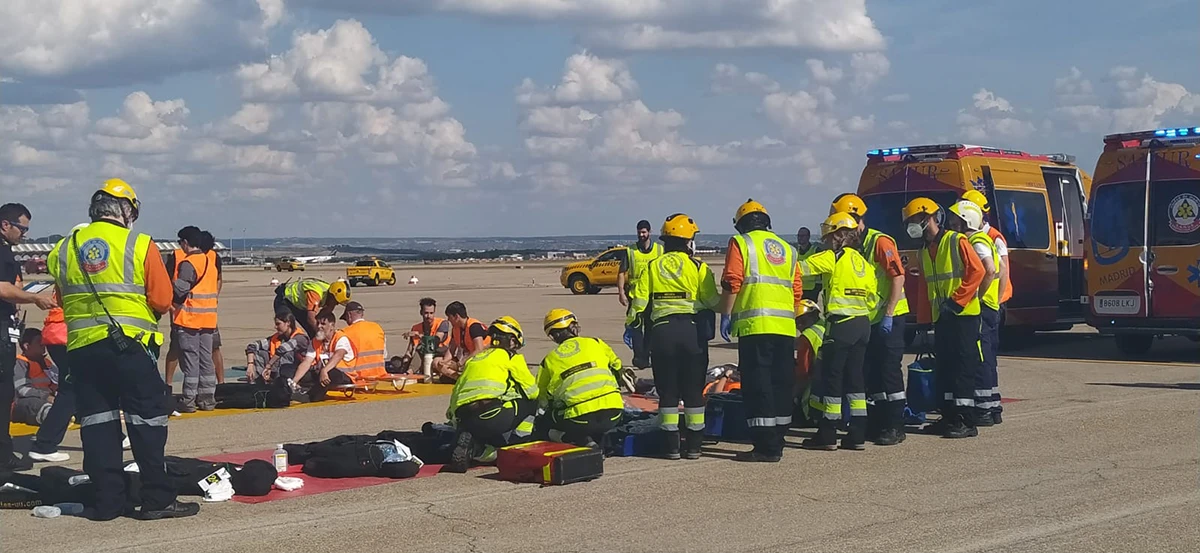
(70, 509)
(281, 459)
(46, 511)
(427, 366)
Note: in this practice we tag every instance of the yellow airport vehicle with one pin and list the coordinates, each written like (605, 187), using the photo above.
(592, 275)
(289, 264)
(371, 272)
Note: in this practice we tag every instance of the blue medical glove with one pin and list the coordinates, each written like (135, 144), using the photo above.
(629, 337)
(725, 321)
(886, 325)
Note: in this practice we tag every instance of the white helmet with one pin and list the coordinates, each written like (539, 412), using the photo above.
(969, 212)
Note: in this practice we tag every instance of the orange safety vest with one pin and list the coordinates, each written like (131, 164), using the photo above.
(276, 340)
(418, 331)
(462, 337)
(711, 387)
(368, 341)
(199, 309)
(37, 376)
(994, 234)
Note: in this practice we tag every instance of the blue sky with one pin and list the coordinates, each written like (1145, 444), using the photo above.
(270, 115)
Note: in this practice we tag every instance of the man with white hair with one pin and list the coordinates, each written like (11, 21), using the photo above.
(970, 219)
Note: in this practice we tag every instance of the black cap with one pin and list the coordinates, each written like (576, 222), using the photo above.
(643, 224)
(351, 306)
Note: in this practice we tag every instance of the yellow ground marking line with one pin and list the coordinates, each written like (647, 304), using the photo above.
(335, 398)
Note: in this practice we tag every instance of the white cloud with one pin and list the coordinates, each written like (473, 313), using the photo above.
(992, 118)
(801, 116)
(868, 68)
(586, 79)
(840, 25)
(728, 79)
(823, 74)
(897, 98)
(143, 126)
(1129, 101)
(341, 63)
(558, 121)
(112, 42)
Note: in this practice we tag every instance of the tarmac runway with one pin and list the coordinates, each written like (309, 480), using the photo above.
(1099, 455)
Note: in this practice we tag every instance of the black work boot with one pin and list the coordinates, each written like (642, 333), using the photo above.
(996, 417)
(893, 424)
(983, 417)
(962, 426)
(825, 439)
(460, 458)
(670, 444)
(875, 421)
(764, 447)
(176, 509)
(854, 439)
(692, 440)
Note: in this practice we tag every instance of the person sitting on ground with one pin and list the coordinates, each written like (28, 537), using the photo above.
(432, 332)
(35, 380)
(308, 297)
(280, 354)
(577, 384)
(468, 337)
(331, 352)
(494, 402)
(368, 343)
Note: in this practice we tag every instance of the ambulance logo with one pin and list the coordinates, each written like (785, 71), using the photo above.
(775, 252)
(1184, 213)
(94, 255)
(1194, 273)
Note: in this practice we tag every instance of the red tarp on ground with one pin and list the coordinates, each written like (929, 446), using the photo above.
(312, 485)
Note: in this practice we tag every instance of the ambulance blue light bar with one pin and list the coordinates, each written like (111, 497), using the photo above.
(1176, 132)
(887, 152)
(927, 149)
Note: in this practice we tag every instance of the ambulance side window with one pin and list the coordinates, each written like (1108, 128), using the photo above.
(1118, 212)
(1023, 219)
(1175, 213)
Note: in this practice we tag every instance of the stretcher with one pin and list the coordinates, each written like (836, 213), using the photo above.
(370, 383)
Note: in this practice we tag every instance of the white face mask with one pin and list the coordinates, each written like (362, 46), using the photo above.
(915, 230)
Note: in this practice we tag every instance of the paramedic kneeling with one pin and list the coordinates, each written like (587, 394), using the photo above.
(577, 384)
(494, 400)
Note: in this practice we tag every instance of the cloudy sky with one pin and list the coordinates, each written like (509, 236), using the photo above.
(546, 117)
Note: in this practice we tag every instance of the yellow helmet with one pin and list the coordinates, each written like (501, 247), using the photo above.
(970, 212)
(340, 292)
(976, 197)
(836, 222)
(848, 203)
(807, 306)
(121, 190)
(920, 205)
(510, 326)
(747, 208)
(558, 318)
(680, 226)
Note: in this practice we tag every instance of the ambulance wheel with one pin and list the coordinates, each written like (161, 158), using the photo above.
(1134, 344)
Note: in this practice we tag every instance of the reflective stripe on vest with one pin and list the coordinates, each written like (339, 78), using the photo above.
(35, 376)
(944, 277)
(199, 308)
(991, 296)
(995, 235)
(765, 304)
(367, 338)
(883, 279)
(852, 287)
(485, 376)
(638, 260)
(581, 379)
(813, 249)
(815, 335)
(674, 286)
(296, 292)
(116, 261)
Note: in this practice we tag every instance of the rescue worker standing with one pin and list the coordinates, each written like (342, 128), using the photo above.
(952, 273)
(969, 221)
(806, 248)
(885, 351)
(850, 296)
(675, 289)
(1004, 291)
(494, 401)
(577, 384)
(195, 322)
(14, 224)
(761, 286)
(114, 287)
(633, 267)
(307, 297)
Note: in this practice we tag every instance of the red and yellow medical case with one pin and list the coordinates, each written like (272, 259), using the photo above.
(549, 463)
